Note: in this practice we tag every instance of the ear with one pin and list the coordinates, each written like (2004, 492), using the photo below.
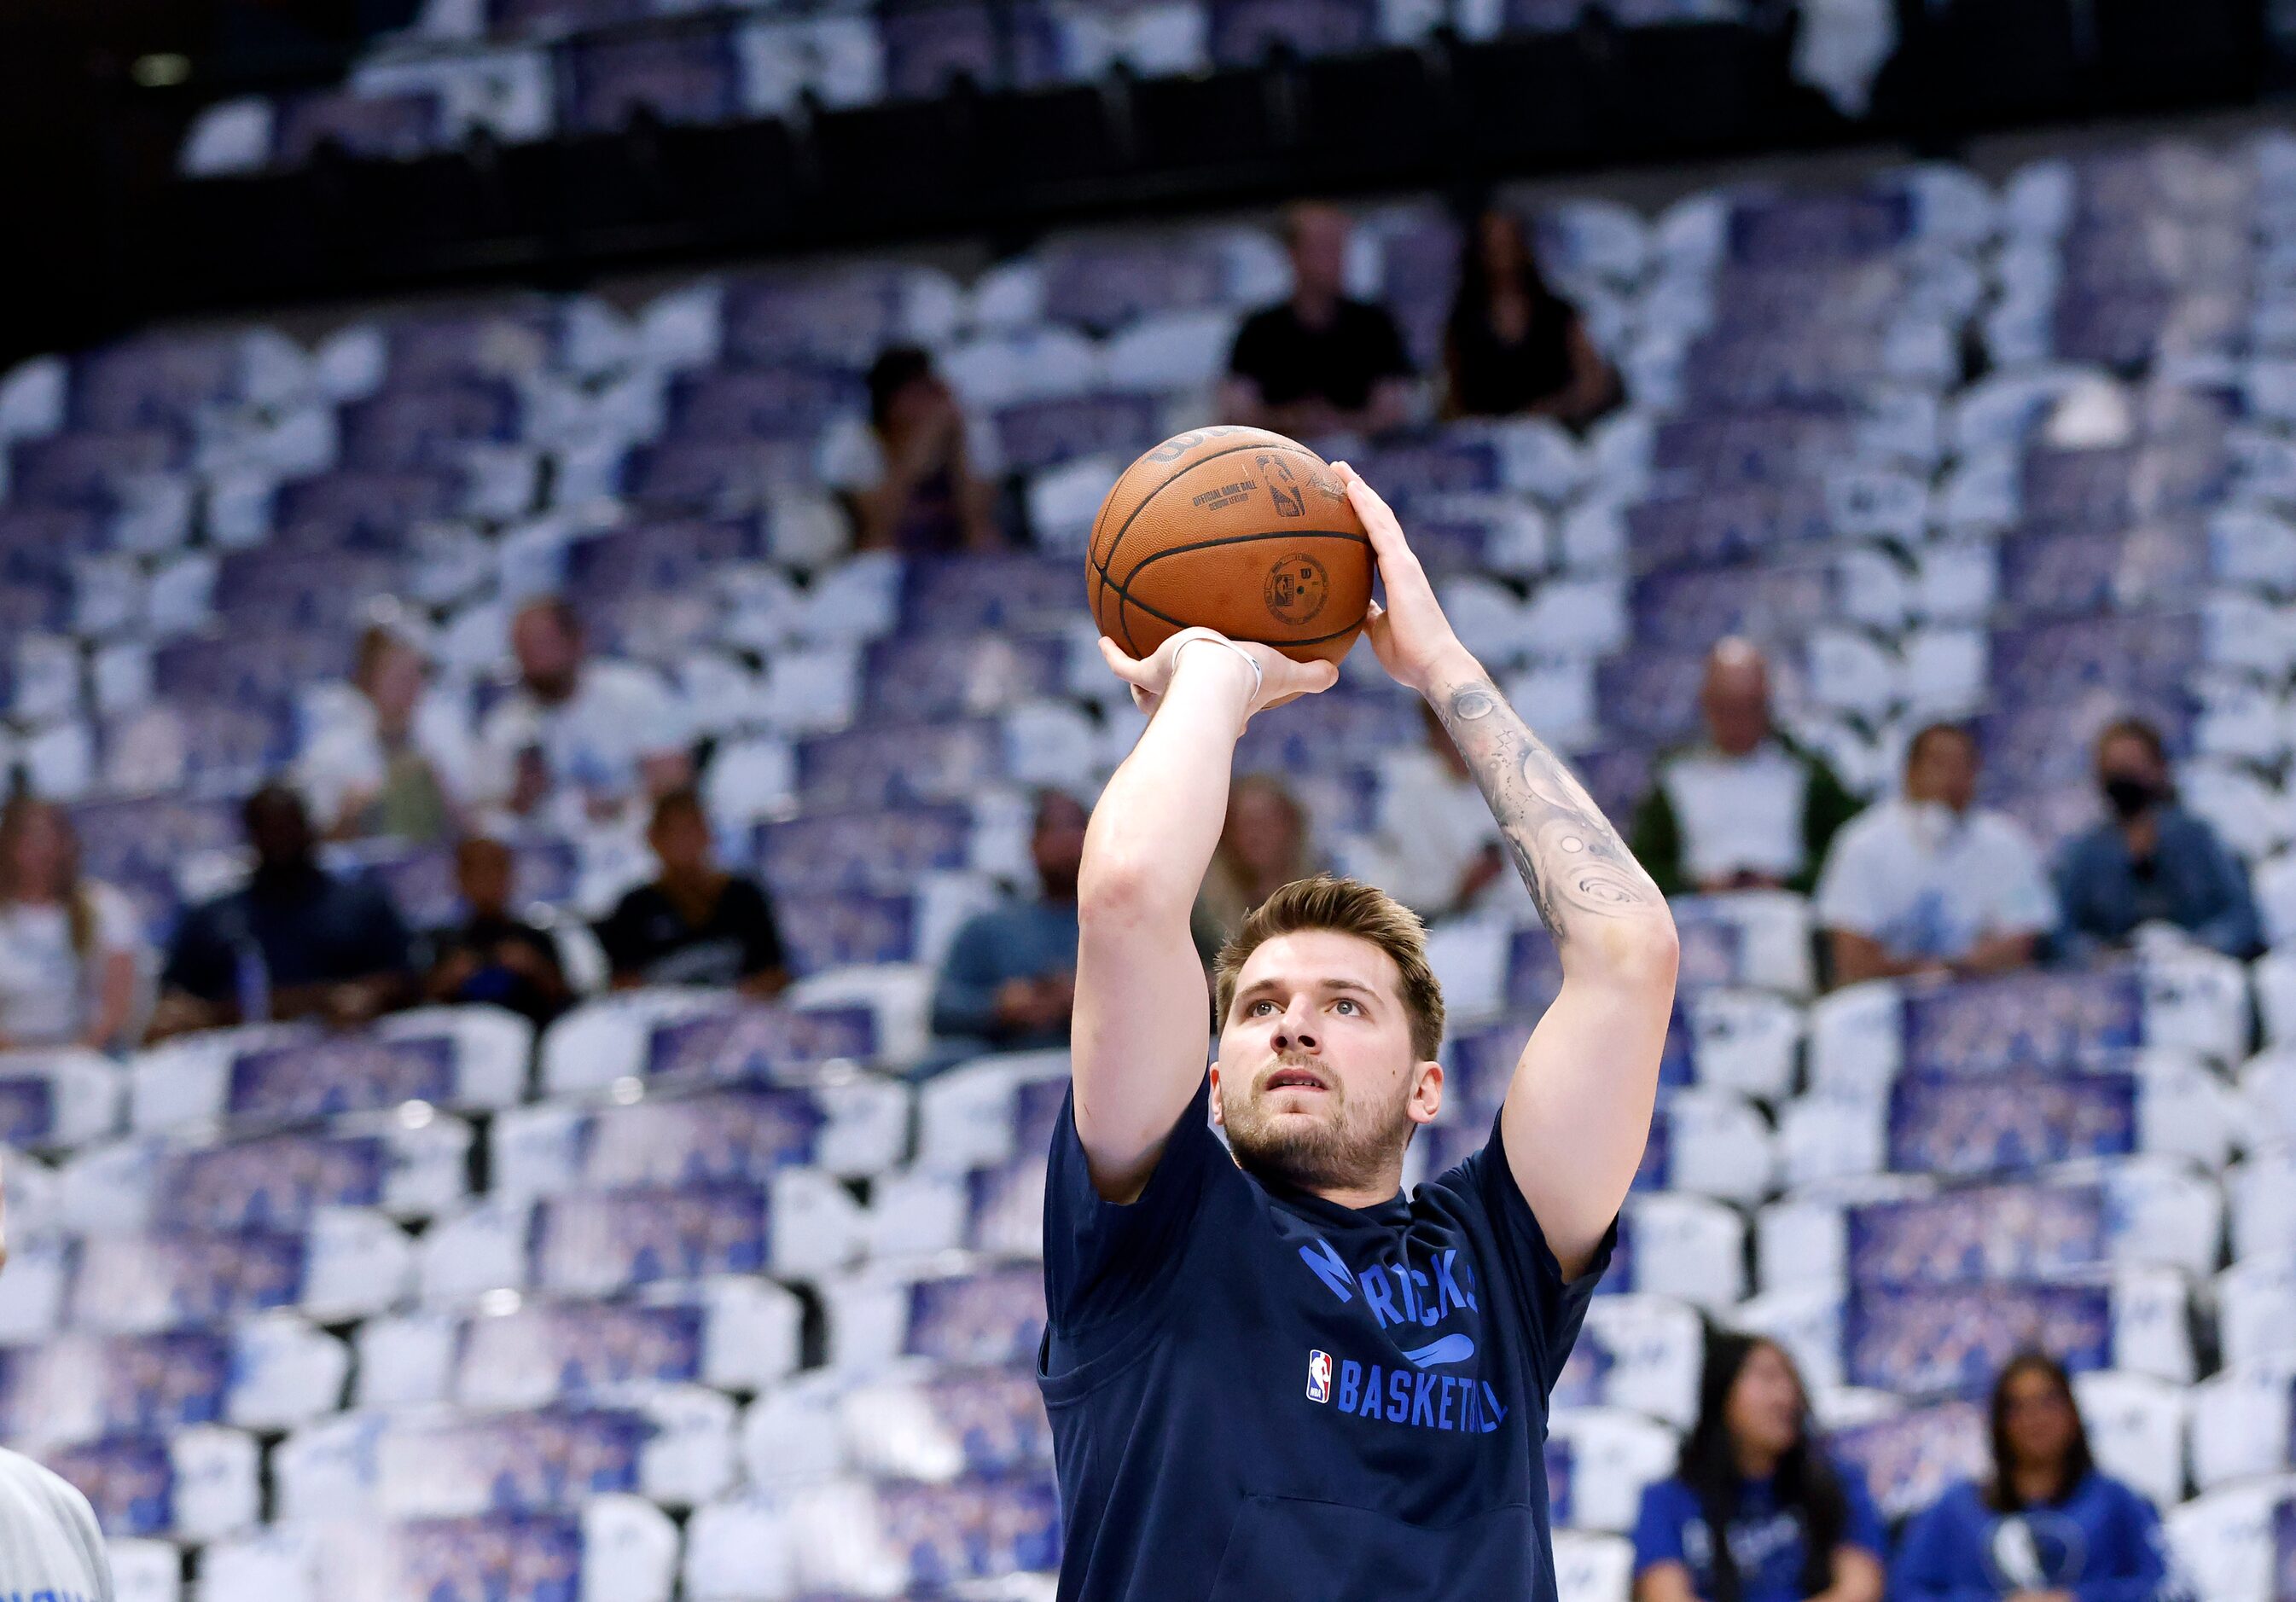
(1426, 1092)
(1220, 1120)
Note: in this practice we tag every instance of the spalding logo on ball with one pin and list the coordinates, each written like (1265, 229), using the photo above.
(1235, 529)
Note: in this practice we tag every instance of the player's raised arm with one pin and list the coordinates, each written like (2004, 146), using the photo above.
(1579, 1109)
(1139, 1035)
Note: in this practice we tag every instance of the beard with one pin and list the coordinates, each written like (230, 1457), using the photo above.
(1346, 1145)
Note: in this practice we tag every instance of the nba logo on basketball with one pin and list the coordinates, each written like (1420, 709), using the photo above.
(1319, 1377)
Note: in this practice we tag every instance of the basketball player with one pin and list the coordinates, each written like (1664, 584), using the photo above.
(49, 1543)
(1271, 1376)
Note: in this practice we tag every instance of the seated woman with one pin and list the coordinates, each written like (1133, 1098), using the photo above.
(1791, 1525)
(67, 945)
(916, 478)
(2046, 1527)
(1513, 345)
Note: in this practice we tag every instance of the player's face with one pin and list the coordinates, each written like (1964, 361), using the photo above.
(1316, 1082)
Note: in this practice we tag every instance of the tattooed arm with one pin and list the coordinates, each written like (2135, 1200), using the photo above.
(1578, 1108)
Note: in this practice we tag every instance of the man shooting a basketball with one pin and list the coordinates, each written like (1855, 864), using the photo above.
(1272, 1377)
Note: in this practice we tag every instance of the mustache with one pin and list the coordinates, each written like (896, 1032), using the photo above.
(1295, 1060)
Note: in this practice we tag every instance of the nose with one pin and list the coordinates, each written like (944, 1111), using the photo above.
(1296, 1029)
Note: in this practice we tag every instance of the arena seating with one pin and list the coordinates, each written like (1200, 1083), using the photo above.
(691, 1294)
(521, 70)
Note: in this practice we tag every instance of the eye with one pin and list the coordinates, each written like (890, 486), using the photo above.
(1348, 1006)
(1253, 1012)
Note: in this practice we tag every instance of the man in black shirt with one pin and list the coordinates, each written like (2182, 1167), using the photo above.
(297, 941)
(493, 956)
(695, 924)
(1270, 1375)
(1319, 363)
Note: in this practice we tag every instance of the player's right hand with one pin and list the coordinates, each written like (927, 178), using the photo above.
(1281, 679)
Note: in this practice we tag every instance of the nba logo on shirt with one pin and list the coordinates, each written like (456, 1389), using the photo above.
(1319, 1377)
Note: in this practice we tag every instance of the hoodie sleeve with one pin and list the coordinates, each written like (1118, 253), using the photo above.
(2139, 1561)
(1938, 1557)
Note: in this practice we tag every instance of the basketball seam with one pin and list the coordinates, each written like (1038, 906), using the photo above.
(1124, 591)
(1235, 539)
(1272, 644)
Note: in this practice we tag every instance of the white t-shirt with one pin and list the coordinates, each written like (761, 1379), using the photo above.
(1738, 813)
(1925, 883)
(343, 753)
(49, 1542)
(619, 714)
(46, 993)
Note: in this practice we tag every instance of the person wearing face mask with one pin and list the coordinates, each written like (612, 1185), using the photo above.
(1932, 885)
(2149, 860)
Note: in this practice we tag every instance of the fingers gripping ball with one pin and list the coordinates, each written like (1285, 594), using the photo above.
(1235, 529)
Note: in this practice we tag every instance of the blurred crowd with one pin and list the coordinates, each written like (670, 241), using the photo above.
(1925, 883)
(2044, 1525)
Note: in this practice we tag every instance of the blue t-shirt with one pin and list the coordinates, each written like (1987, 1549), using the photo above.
(1258, 1395)
(2102, 1543)
(1765, 1540)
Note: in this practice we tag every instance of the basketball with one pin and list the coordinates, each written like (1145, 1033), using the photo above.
(1235, 529)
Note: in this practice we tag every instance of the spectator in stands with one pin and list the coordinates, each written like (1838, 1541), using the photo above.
(2046, 1527)
(609, 733)
(1751, 809)
(1436, 842)
(297, 941)
(49, 1542)
(695, 923)
(1009, 979)
(2150, 860)
(391, 761)
(493, 956)
(918, 478)
(1793, 1524)
(1318, 363)
(1932, 884)
(68, 943)
(1513, 345)
(1263, 847)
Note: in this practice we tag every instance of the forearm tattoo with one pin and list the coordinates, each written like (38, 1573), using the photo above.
(1568, 855)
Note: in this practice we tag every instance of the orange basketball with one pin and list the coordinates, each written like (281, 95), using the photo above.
(1235, 529)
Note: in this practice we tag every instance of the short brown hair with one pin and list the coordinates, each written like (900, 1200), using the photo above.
(1346, 906)
(1943, 730)
(2136, 729)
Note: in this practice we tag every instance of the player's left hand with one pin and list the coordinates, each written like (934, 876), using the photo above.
(1409, 635)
